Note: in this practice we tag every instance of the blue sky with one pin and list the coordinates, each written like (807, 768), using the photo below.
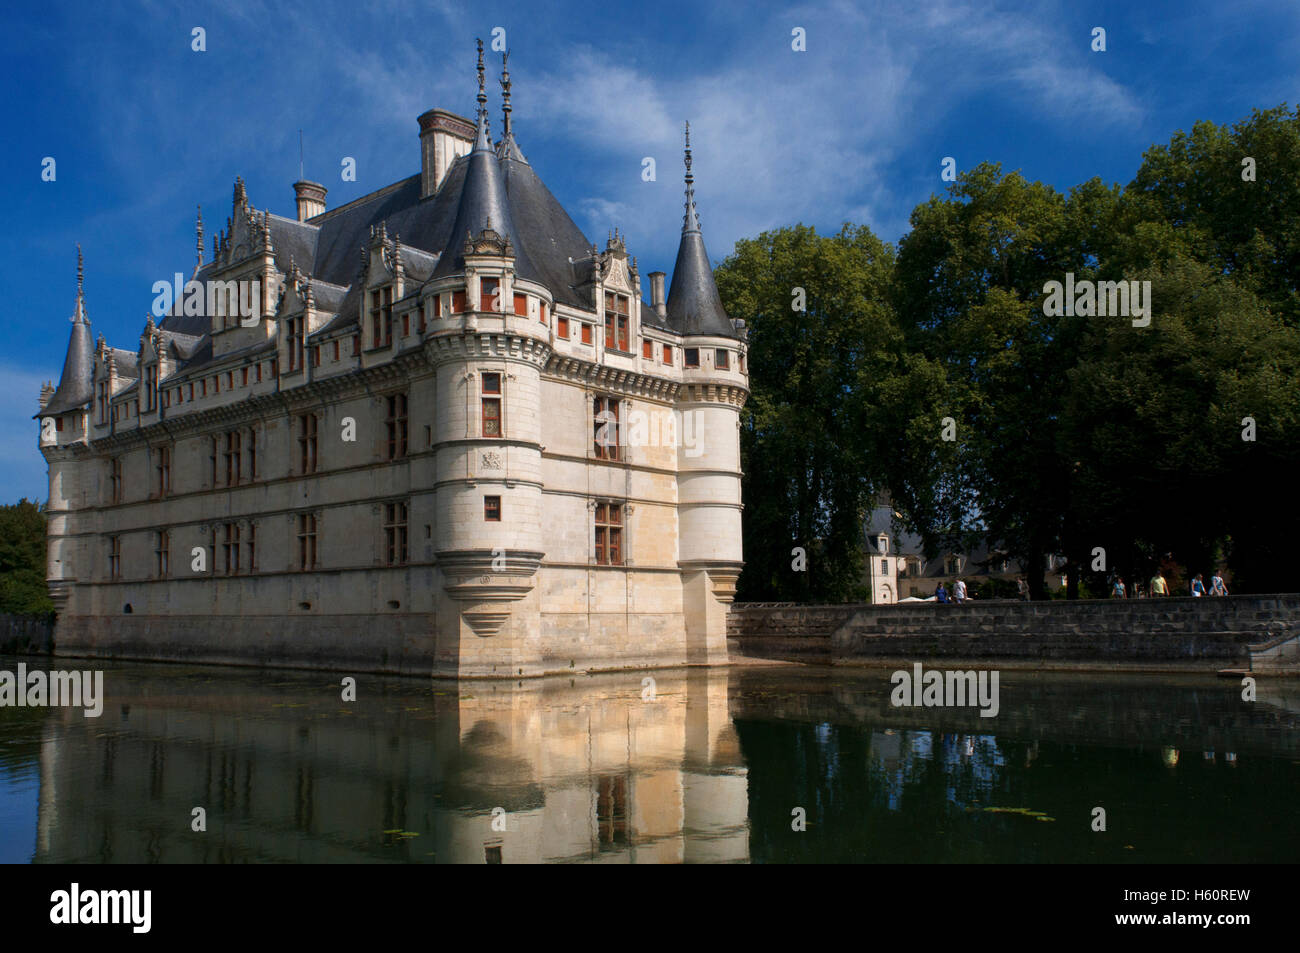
(143, 128)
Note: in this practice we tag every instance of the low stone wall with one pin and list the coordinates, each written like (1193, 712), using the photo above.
(26, 634)
(1122, 634)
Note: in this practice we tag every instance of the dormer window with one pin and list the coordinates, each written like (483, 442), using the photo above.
(488, 291)
(616, 322)
(151, 387)
(295, 343)
(103, 401)
(381, 316)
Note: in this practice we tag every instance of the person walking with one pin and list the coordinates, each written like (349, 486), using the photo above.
(1117, 591)
(959, 592)
(1217, 588)
(1158, 585)
(1198, 586)
(1022, 589)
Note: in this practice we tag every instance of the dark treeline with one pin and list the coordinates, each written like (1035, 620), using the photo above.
(22, 559)
(1071, 432)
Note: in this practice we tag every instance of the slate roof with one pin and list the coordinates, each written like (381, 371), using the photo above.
(76, 386)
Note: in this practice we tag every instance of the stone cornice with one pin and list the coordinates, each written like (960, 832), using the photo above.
(618, 380)
(733, 394)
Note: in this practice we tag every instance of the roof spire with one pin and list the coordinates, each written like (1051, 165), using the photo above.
(505, 93)
(484, 139)
(81, 273)
(691, 213)
(198, 244)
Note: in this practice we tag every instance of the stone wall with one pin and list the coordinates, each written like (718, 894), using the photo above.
(26, 634)
(1158, 634)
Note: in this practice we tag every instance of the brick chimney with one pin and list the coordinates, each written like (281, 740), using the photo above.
(311, 199)
(443, 137)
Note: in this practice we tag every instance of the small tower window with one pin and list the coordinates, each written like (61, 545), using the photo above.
(586, 333)
(489, 290)
(722, 359)
(562, 328)
(668, 354)
(521, 304)
(458, 302)
(647, 349)
(692, 357)
(492, 405)
(492, 509)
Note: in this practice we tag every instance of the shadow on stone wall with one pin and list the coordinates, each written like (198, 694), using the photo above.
(26, 634)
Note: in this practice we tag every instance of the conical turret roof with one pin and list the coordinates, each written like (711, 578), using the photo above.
(76, 387)
(694, 306)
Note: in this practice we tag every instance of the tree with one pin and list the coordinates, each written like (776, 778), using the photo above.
(22, 559)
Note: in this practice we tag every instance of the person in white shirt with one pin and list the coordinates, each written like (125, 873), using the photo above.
(959, 592)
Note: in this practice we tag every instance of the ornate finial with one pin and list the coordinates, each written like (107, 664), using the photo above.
(81, 271)
(266, 230)
(482, 94)
(505, 92)
(198, 243)
(241, 195)
(690, 190)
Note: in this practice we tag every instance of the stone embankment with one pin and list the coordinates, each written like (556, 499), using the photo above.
(1172, 634)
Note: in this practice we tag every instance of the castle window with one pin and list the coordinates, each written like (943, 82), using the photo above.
(203, 387)
(492, 405)
(190, 395)
(488, 294)
(419, 314)
(586, 333)
(275, 367)
(230, 380)
(216, 384)
(492, 509)
(406, 324)
(252, 454)
(458, 302)
(163, 470)
(692, 357)
(381, 316)
(151, 387)
(356, 344)
(161, 554)
(230, 549)
(951, 565)
(258, 374)
(647, 349)
(609, 534)
(742, 363)
(212, 461)
(437, 306)
(884, 567)
(521, 304)
(58, 423)
(115, 558)
(243, 373)
(616, 323)
(396, 422)
(541, 311)
(251, 543)
(668, 354)
(722, 359)
(336, 350)
(306, 541)
(605, 424)
(232, 457)
(295, 343)
(562, 328)
(307, 443)
(115, 478)
(315, 356)
(103, 402)
(395, 533)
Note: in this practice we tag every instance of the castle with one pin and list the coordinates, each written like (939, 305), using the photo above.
(434, 431)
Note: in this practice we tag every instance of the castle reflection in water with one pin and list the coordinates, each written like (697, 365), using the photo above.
(705, 765)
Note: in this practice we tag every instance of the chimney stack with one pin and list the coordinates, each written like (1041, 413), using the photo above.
(657, 293)
(311, 199)
(444, 137)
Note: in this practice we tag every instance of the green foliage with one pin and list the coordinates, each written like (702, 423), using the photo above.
(22, 559)
(1073, 432)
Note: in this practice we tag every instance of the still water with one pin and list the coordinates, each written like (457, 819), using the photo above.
(705, 766)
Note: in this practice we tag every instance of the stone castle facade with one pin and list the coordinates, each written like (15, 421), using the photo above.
(432, 431)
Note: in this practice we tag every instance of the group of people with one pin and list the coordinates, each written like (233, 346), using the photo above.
(958, 596)
(1159, 587)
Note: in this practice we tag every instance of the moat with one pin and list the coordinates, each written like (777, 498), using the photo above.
(693, 766)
